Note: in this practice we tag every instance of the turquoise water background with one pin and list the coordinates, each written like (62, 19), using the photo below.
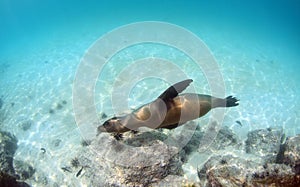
(256, 44)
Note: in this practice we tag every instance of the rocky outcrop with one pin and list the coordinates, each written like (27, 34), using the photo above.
(291, 155)
(175, 180)
(153, 159)
(10, 181)
(226, 170)
(8, 147)
(126, 164)
(265, 143)
(269, 161)
(145, 159)
(275, 175)
(23, 169)
(229, 170)
(224, 139)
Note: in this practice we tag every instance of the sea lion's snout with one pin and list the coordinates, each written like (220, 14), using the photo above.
(111, 125)
(107, 126)
(101, 129)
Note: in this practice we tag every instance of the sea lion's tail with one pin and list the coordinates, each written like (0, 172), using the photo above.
(229, 101)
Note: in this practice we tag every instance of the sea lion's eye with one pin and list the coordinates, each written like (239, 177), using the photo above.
(106, 123)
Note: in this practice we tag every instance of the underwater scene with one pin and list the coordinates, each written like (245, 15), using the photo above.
(149, 93)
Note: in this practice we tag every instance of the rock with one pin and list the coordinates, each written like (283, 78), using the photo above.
(145, 139)
(23, 170)
(175, 180)
(42, 179)
(229, 170)
(275, 175)
(145, 164)
(226, 170)
(214, 140)
(10, 181)
(291, 155)
(196, 139)
(194, 142)
(125, 164)
(224, 139)
(8, 147)
(265, 143)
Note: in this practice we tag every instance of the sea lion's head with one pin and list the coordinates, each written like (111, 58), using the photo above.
(112, 125)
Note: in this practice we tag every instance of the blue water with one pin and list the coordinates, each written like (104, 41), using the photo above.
(255, 43)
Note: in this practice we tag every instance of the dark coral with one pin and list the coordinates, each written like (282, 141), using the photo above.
(75, 162)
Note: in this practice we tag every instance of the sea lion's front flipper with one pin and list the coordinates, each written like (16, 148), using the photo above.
(174, 90)
(118, 136)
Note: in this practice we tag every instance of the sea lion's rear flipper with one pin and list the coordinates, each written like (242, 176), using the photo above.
(229, 101)
(174, 90)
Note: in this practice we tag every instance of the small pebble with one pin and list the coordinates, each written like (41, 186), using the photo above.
(51, 111)
(25, 125)
(103, 115)
(59, 106)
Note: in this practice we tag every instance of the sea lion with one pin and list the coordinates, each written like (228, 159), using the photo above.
(169, 110)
